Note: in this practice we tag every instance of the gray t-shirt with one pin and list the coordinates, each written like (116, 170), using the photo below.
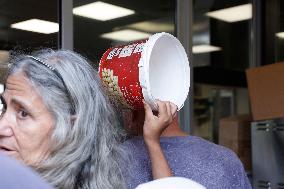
(191, 157)
(14, 175)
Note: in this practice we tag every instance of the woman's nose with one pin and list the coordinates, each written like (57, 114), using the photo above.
(5, 128)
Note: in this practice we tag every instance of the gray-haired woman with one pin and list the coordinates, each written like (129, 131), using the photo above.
(57, 119)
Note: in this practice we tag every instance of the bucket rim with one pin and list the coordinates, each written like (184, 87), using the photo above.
(144, 72)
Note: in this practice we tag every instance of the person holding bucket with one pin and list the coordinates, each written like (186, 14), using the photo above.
(190, 157)
(158, 68)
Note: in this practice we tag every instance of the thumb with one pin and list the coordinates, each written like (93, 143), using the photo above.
(148, 110)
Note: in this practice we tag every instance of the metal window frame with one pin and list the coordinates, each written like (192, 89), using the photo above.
(65, 18)
(184, 23)
(256, 58)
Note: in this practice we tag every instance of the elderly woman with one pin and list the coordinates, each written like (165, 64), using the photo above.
(57, 120)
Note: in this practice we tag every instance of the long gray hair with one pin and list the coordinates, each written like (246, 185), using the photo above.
(85, 144)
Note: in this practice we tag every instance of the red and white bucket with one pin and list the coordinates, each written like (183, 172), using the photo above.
(156, 68)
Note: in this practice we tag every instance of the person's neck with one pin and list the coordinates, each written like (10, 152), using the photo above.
(173, 130)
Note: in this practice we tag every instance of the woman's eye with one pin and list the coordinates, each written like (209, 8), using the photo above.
(2, 111)
(23, 113)
(3, 106)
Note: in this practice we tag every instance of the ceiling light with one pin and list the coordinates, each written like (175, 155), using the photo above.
(197, 49)
(36, 25)
(102, 11)
(280, 35)
(152, 26)
(126, 35)
(233, 14)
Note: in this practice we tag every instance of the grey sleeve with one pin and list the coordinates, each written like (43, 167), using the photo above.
(14, 175)
(236, 172)
(243, 178)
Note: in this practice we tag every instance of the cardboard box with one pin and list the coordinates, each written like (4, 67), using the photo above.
(235, 133)
(266, 91)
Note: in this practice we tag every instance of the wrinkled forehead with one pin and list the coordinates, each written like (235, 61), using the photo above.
(18, 84)
(17, 79)
(19, 92)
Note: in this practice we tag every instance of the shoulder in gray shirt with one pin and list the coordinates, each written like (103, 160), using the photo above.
(192, 157)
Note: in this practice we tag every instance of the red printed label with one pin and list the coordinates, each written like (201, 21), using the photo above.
(119, 73)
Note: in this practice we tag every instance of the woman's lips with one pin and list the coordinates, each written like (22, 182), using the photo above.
(6, 150)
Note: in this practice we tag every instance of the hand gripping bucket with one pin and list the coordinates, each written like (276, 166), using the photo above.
(151, 69)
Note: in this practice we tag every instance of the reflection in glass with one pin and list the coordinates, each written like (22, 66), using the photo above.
(221, 41)
(23, 28)
(94, 35)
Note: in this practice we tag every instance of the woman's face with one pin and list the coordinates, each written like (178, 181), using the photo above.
(26, 124)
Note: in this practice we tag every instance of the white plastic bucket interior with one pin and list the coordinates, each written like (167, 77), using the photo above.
(166, 70)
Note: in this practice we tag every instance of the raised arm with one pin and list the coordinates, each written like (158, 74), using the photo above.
(153, 127)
